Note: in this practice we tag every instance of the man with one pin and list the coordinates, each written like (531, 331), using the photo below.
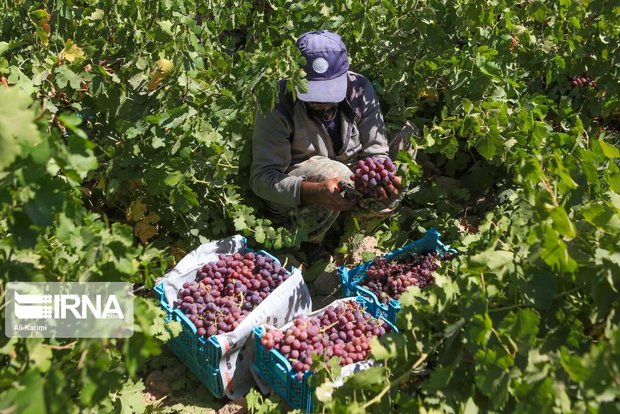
(302, 150)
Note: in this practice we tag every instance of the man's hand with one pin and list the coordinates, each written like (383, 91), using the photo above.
(391, 190)
(326, 194)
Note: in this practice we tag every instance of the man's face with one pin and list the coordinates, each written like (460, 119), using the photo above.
(325, 111)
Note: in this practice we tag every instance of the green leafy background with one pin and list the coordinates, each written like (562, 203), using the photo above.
(104, 179)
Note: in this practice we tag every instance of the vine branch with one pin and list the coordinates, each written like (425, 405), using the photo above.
(398, 380)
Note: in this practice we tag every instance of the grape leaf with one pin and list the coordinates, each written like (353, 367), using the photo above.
(40, 355)
(65, 76)
(98, 14)
(324, 392)
(259, 235)
(239, 223)
(136, 210)
(17, 127)
(562, 223)
(146, 228)
(610, 151)
(4, 46)
(493, 259)
(71, 52)
(602, 217)
(131, 398)
(30, 398)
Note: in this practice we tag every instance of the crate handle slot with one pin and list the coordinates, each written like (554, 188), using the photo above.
(370, 297)
(283, 368)
(182, 319)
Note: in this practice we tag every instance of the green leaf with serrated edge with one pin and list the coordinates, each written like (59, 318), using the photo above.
(440, 378)
(555, 252)
(65, 76)
(259, 235)
(165, 331)
(239, 223)
(492, 375)
(72, 121)
(131, 398)
(80, 156)
(253, 399)
(454, 328)
(98, 14)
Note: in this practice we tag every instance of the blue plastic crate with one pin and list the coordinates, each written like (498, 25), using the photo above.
(277, 371)
(351, 278)
(202, 356)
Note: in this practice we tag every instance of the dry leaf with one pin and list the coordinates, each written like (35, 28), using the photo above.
(146, 228)
(71, 52)
(136, 210)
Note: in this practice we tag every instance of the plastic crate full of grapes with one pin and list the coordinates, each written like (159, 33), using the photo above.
(219, 293)
(284, 355)
(381, 281)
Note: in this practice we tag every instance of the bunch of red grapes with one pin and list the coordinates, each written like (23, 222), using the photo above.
(583, 81)
(343, 330)
(389, 279)
(371, 174)
(225, 292)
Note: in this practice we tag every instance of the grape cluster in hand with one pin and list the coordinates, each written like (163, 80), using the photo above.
(372, 173)
(225, 292)
(343, 331)
(389, 279)
(583, 81)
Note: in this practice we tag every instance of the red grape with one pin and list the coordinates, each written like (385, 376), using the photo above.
(372, 173)
(388, 280)
(343, 330)
(225, 291)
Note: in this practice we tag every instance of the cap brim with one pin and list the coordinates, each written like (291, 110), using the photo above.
(333, 90)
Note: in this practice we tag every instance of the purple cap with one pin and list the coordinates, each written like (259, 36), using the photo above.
(326, 66)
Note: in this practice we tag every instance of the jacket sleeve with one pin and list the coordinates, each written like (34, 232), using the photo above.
(371, 126)
(271, 157)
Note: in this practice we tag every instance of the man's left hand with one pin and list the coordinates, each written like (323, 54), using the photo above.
(391, 190)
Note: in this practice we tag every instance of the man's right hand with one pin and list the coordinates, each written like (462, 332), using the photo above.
(326, 194)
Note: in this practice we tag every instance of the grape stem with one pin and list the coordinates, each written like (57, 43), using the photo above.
(70, 345)
(328, 327)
